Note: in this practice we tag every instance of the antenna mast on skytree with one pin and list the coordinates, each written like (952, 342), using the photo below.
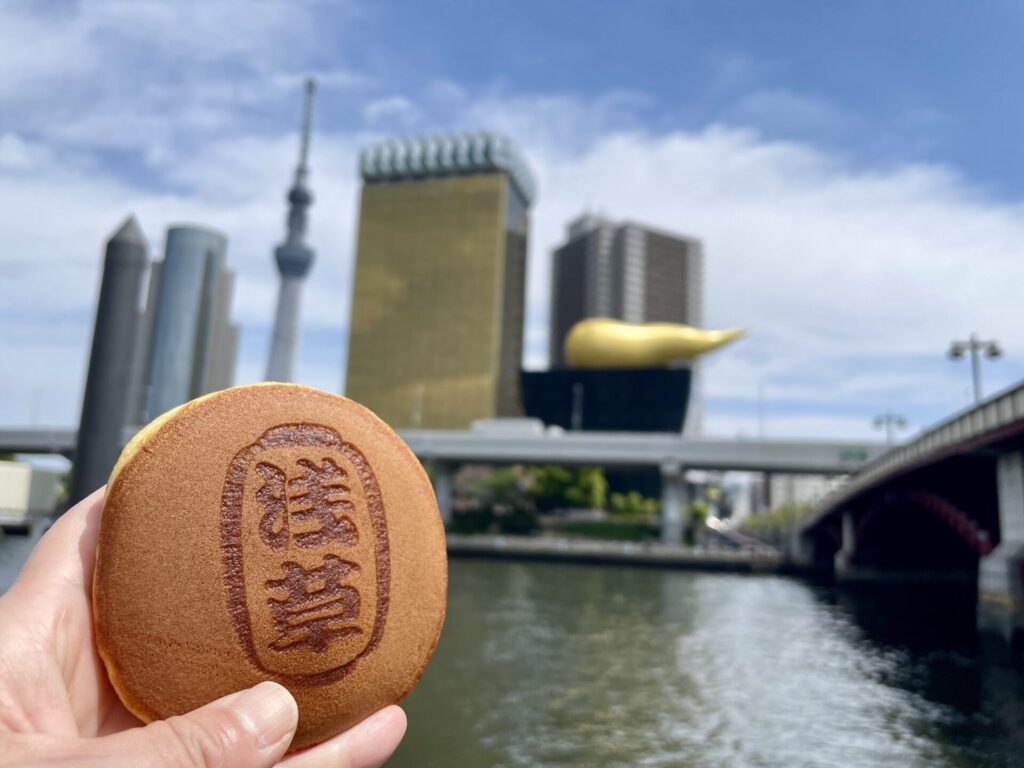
(294, 258)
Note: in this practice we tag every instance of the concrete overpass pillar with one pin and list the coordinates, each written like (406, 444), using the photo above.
(444, 489)
(674, 503)
(1000, 576)
(844, 557)
(798, 548)
(766, 491)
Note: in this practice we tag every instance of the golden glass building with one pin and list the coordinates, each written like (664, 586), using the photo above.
(436, 333)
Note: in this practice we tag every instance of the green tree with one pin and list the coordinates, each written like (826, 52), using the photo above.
(697, 519)
(550, 485)
(497, 498)
(503, 486)
(699, 514)
(771, 526)
(632, 504)
(589, 491)
(559, 487)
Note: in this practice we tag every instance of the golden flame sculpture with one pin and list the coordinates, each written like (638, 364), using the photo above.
(600, 342)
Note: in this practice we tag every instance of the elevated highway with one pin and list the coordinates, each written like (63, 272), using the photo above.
(38, 441)
(624, 449)
(523, 442)
(539, 446)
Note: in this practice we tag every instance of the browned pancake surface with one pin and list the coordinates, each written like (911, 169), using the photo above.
(270, 532)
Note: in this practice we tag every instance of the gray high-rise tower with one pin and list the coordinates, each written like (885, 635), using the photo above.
(187, 291)
(104, 407)
(146, 361)
(294, 258)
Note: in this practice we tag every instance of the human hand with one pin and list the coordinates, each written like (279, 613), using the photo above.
(57, 706)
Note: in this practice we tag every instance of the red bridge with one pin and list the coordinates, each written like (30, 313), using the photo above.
(947, 506)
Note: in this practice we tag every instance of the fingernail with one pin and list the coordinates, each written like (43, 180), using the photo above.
(268, 711)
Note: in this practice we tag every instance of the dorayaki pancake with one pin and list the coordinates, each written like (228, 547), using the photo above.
(269, 532)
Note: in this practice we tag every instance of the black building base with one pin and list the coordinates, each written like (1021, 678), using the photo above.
(611, 400)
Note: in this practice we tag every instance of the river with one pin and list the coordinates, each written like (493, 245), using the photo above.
(552, 665)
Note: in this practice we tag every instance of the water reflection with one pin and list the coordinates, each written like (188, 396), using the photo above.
(570, 665)
(14, 551)
(545, 665)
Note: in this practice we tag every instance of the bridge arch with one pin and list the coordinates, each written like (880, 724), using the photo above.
(917, 528)
(962, 523)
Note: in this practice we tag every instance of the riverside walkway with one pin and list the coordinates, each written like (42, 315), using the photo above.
(640, 554)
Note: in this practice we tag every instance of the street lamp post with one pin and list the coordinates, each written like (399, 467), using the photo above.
(890, 422)
(975, 346)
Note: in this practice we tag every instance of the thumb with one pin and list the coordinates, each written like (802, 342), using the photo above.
(248, 729)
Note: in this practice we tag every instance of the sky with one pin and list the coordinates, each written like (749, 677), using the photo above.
(852, 169)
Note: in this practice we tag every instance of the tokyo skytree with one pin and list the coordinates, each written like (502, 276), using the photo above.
(294, 258)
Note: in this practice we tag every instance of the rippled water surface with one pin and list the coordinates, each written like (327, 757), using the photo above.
(547, 665)
(587, 666)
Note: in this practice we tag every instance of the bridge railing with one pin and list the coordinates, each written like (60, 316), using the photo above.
(970, 428)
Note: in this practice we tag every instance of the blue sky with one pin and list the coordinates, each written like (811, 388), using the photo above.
(853, 170)
(890, 82)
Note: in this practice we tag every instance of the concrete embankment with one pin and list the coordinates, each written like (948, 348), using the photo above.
(637, 554)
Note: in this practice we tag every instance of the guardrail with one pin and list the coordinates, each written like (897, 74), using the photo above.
(994, 419)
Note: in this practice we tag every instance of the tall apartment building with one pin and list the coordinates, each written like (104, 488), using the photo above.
(626, 271)
(109, 377)
(436, 334)
(630, 272)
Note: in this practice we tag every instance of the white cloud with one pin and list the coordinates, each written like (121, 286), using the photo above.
(38, 48)
(831, 268)
(558, 126)
(396, 109)
(846, 279)
(852, 280)
(163, 77)
(262, 32)
(17, 154)
(55, 221)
